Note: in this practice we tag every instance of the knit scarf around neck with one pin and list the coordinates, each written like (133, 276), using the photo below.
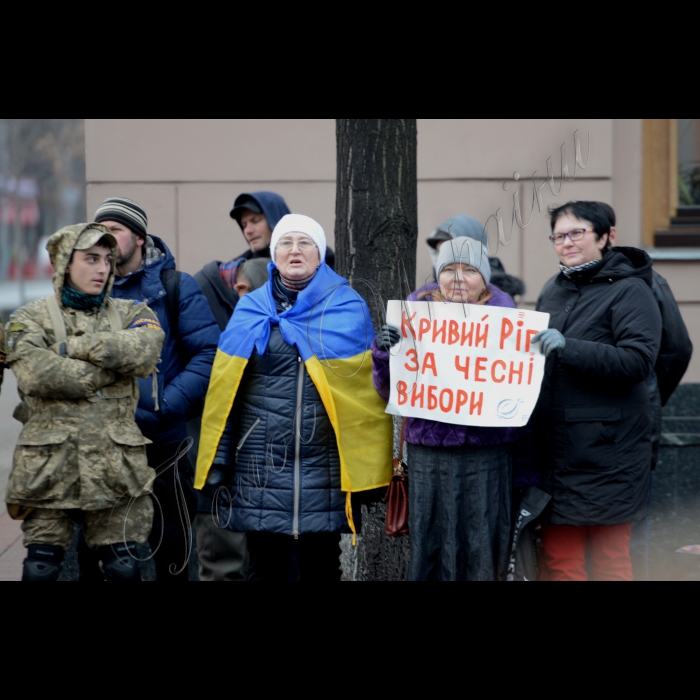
(79, 301)
(285, 297)
(297, 285)
(571, 271)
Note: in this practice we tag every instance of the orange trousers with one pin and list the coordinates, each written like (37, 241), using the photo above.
(564, 550)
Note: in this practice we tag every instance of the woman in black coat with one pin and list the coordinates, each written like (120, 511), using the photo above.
(593, 421)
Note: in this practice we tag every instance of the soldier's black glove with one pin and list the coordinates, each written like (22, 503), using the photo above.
(387, 337)
(217, 478)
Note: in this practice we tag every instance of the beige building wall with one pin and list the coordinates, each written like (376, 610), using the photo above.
(187, 172)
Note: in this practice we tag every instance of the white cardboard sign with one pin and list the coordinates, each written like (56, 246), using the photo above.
(465, 364)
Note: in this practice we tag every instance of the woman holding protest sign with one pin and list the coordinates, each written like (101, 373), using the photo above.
(460, 493)
(593, 420)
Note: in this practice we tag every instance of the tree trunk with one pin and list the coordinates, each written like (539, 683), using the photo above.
(376, 235)
(376, 209)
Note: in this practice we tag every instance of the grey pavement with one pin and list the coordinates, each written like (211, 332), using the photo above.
(11, 549)
(9, 431)
(12, 296)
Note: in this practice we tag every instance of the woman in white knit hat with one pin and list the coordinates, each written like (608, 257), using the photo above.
(274, 445)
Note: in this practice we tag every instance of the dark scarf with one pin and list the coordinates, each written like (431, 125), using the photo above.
(297, 286)
(588, 268)
(284, 296)
(74, 299)
(583, 272)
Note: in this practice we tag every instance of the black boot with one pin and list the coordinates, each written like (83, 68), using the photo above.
(43, 563)
(119, 562)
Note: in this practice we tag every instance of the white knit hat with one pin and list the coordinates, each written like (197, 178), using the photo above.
(298, 223)
(467, 252)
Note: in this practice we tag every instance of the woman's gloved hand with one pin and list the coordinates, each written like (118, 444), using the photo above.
(387, 337)
(216, 478)
(550, 340)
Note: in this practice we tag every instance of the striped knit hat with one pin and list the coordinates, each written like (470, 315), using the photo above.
(126, 212)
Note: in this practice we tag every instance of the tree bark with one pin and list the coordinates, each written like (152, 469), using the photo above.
(376, 208)
(376, 236)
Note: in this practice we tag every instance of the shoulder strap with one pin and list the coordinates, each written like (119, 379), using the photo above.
(56, 317)
(115, 320)
(171, 281)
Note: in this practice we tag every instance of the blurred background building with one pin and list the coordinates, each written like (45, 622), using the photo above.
(187, 172)
(42, 188)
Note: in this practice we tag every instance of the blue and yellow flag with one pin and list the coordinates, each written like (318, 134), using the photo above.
(331, 328)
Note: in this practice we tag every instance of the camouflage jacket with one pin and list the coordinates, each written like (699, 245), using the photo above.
(80, 446)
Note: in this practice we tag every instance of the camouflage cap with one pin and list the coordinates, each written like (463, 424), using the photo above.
(93, 236)
(78, 237)
(86, 238)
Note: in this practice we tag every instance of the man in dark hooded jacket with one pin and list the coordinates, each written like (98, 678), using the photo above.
(144, 273)
(676, 346)
(257, 213)
(671, 364)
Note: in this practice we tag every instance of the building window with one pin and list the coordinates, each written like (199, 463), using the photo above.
(688, 164)
(671, 183)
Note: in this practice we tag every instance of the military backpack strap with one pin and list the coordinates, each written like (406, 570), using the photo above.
(171, 282)
(56, 317)
(115, 320)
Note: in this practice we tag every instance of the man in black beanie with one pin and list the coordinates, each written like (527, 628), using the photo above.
(146, 271)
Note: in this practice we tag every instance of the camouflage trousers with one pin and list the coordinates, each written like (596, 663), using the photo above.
(127, 522)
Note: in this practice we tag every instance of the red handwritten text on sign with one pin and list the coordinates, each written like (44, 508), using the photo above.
(465, 364)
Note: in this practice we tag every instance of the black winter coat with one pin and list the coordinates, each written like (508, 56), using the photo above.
(222, 300)
(672, 362)
(283, 482)
(673, 359)
(676, 347)
(592, 421)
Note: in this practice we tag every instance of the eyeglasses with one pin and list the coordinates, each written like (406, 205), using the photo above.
(575, 235)
(305, 244)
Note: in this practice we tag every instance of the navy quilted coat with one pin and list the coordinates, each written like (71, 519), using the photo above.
(284, 482)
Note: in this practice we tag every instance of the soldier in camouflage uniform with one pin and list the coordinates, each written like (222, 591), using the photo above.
(81, 456)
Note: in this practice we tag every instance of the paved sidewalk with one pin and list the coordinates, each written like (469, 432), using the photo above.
(11, 550)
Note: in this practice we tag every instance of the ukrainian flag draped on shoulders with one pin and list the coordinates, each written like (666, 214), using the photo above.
(331, 328)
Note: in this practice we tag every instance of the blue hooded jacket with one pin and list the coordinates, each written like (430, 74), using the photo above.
(273, 206)
(182, 382)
